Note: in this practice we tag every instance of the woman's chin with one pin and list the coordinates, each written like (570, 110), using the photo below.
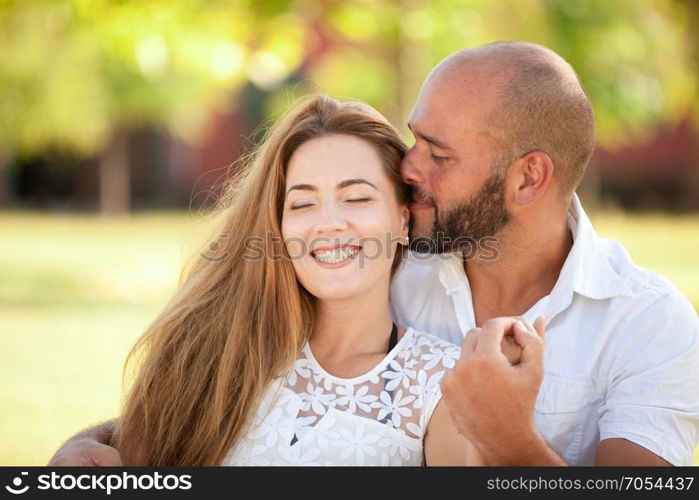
(340, 291)
(337, 295)
(344, 286)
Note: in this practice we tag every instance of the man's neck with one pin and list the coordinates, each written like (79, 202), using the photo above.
(526, 269)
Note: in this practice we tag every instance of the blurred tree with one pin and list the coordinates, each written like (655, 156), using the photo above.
(634, 58)
(692, 35)
(82, 73)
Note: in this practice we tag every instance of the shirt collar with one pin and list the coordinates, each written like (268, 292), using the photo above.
(588, 270)
(452, 274)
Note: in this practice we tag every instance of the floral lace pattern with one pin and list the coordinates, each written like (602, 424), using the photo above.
(311, 417)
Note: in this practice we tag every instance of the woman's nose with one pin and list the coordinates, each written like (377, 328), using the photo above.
(330, 221)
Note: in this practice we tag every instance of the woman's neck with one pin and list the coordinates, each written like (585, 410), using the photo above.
(359, 325)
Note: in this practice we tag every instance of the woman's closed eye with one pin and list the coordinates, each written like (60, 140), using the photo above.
(299, 206)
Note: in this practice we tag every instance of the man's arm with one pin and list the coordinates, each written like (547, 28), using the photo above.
(89, 448)
(617, 451)
(492, 401)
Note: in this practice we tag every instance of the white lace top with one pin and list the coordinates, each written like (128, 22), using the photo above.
(311, 417)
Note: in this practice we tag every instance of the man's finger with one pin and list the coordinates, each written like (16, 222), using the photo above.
(106, 456)
(511, 349)
(71, 461)
(492, 334)
(527, 323)
(469, 343)
(540, 326)
(532, 344)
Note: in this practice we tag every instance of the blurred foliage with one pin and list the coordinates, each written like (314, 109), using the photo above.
(73, 71)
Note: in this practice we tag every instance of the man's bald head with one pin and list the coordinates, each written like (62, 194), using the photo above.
(534, 102)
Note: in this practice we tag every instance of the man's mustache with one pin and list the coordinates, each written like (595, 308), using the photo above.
(419, 194)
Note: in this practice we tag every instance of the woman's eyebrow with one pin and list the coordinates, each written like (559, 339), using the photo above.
(303, 187)
(340, 185)
(350, 182)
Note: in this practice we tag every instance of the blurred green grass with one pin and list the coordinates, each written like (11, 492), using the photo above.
(77, 290)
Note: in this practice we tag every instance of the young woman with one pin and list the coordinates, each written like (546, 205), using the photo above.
(284, 351)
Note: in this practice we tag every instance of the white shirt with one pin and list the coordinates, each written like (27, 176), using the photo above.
(621, 356)
(311, 417)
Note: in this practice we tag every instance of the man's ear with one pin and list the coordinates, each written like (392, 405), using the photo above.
(530, 176)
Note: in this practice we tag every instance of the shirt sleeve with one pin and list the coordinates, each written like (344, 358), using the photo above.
(652, 395)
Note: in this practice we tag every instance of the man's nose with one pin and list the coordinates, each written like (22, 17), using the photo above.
(409, 170)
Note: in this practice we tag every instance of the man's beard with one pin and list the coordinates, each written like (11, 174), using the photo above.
(467, 223)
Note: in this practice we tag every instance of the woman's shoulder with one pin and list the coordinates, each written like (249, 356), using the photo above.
(429, 352)
(429, 340)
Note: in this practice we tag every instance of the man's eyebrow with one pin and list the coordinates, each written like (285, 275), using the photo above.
(340, 185)
(429, 139)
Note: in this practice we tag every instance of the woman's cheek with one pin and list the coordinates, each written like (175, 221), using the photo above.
(377, 236)
(292, 233)
(296, 247)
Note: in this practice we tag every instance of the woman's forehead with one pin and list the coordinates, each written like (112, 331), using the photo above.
(332, 159)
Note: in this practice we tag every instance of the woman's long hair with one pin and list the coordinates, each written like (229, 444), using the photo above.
(236, 322)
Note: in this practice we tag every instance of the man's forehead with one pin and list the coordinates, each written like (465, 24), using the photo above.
(446, 109)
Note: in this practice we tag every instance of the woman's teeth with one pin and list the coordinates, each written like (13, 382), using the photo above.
(336, 255)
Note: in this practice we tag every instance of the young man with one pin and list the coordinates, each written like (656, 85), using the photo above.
(503, 135)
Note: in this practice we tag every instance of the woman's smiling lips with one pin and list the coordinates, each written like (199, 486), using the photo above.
(336, 256)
